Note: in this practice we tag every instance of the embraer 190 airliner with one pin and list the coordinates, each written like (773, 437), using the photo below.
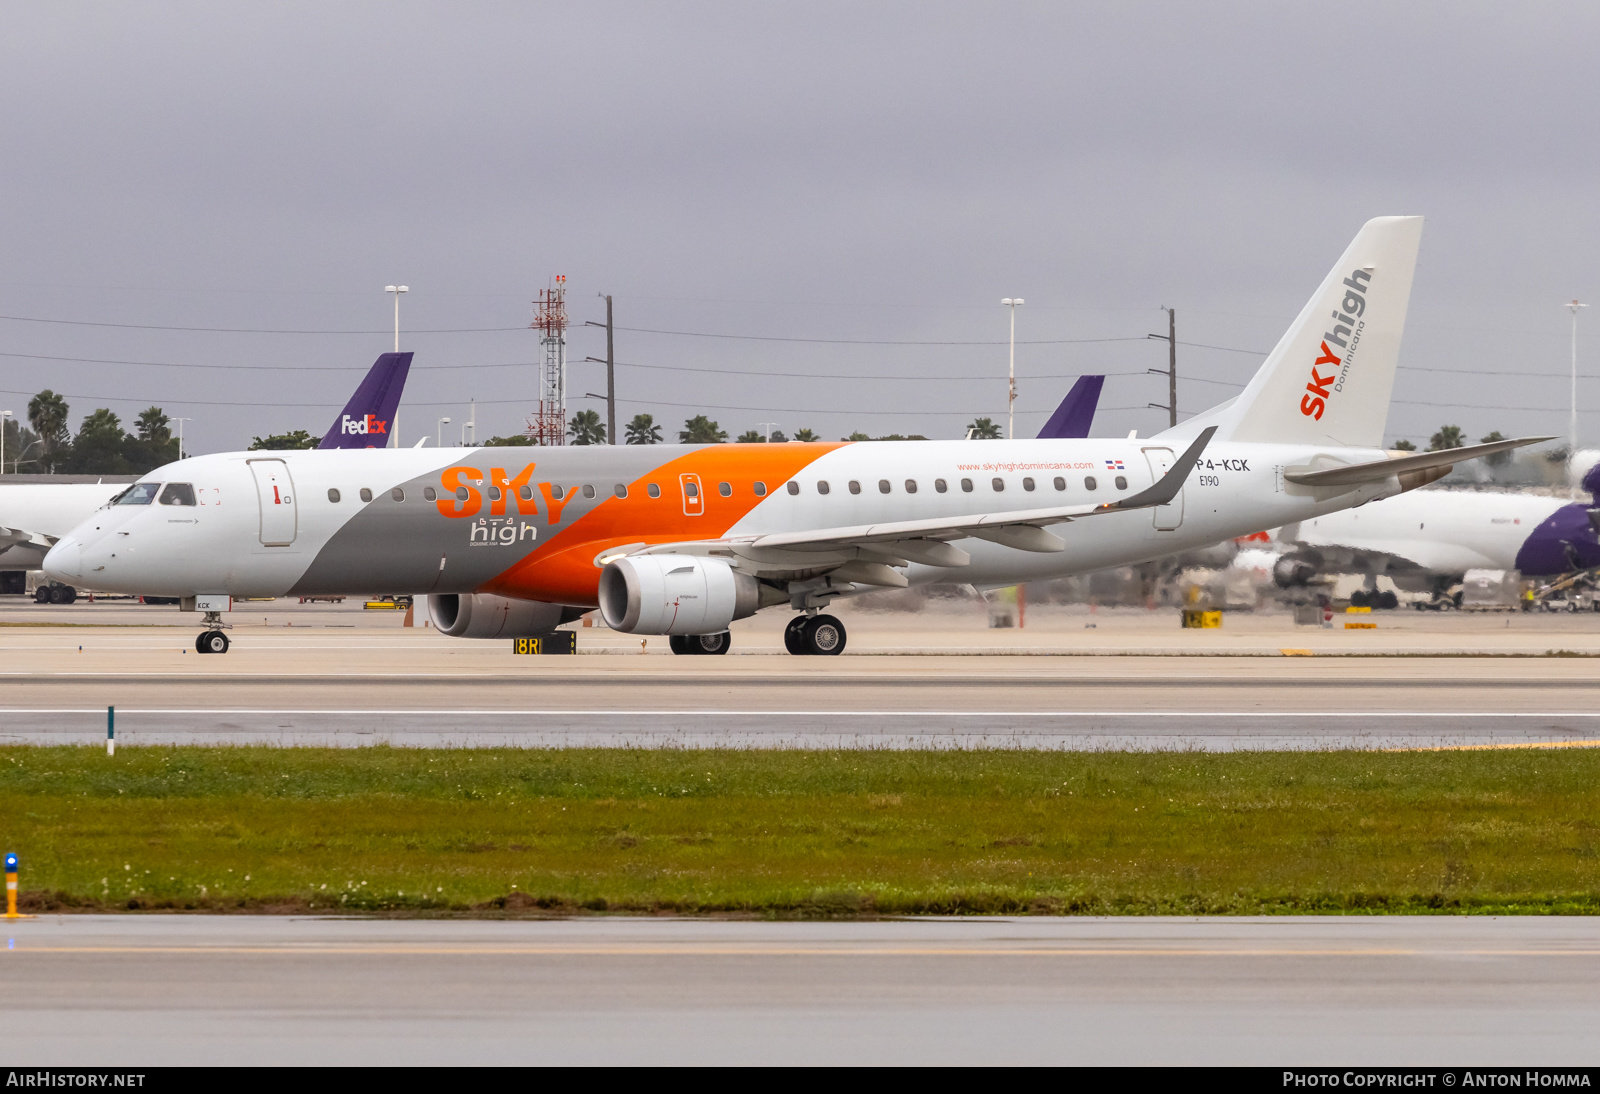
(681, 540)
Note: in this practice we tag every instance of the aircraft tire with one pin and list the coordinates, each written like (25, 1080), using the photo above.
(793, 635)
(679, 643)
(41, 595)
(824, 636)
(64, 594)
(713, 644)
(212, 642)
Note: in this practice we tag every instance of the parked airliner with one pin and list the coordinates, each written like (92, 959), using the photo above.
(681, 540)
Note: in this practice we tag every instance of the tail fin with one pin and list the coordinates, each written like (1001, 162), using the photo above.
(1329, 379)
(367, 417)
(1076, 412)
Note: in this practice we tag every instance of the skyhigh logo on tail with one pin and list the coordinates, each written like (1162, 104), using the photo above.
(1346, 333)
(361, 427)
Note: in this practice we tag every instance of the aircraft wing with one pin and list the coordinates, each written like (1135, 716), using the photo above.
(899, 542)
(12, 537)
(1378, 470)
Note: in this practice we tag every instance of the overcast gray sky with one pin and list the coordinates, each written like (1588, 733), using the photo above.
(867, 172)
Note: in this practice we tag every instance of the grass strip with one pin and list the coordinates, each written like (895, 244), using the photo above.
(784, 833)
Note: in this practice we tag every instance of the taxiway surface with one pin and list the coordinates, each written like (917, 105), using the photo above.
(324, 674)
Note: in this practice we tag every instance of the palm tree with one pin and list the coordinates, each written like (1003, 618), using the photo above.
(1449, 436)
(1403, 445)
(856, 436)
(1495, 459)
(643, 430)
(47, 411)
(806, 435)
(751, 436)
(586, 428)
(983, 430)
(778, 437)
(153, 426)
(701, 430)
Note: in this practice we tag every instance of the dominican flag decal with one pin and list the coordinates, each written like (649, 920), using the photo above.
(1114, 465)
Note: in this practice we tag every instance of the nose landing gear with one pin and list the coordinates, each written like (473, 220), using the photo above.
(213, 639)
(814, 635)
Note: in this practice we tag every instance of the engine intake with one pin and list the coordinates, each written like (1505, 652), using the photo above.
(675, 594)
(481, 615)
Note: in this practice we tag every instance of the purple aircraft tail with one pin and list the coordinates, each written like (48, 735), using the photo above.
(1076, 412)
(368, 415)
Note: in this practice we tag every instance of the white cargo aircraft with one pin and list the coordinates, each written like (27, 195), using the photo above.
(681, 539)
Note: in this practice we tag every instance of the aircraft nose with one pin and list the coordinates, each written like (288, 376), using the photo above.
(64, 561)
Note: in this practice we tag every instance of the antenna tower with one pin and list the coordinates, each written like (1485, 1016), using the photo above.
(548, 424)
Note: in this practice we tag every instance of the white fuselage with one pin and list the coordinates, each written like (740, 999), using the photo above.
(241, 538)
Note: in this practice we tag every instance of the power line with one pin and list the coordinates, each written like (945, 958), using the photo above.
(243, 330)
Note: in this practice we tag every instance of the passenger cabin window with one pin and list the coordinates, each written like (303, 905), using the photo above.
(941, 486)
(620, 490)
(588, 491)
(911, 486)
(366, 495)
(883, 486)
(462, 494)
(966, 486)
(428, 493)
(1089, 483)
(761, 489)
(691, 490)
(793, 487)
(397, 494)
(557, 492)
(140, 493)
(1027, 483)
(725, 489)
(653, 490)
(822, 486)
(333, 495)
(1122, 482)
(855, 487)
(998, 483)
(494, 493)
(1061, 483)
(178, 493)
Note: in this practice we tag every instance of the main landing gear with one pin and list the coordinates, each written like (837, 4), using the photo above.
(819, 635)
(213, 639)
(701, 643)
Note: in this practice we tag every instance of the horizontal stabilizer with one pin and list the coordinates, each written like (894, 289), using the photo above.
(1378, 470)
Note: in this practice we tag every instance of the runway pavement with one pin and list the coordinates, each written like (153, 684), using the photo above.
(1449, 991)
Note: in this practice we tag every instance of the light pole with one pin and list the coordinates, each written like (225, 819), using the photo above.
(180, 422)
(1011, 370)
(1572, 438)
(4, 414)
(396, 290)
(438, 439)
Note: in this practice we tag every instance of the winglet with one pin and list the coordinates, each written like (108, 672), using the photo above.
(1167, 489)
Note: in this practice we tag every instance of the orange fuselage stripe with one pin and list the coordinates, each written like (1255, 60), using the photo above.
(562, 570)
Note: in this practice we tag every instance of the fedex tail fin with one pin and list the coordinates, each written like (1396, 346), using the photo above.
(1329, 379)
(367, 418)
(1076, 412)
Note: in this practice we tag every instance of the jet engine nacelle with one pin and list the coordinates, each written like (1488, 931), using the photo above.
(675, 594)
(480, 615)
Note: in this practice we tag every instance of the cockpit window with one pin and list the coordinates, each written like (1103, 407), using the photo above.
(140, 493)
(178, 493)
